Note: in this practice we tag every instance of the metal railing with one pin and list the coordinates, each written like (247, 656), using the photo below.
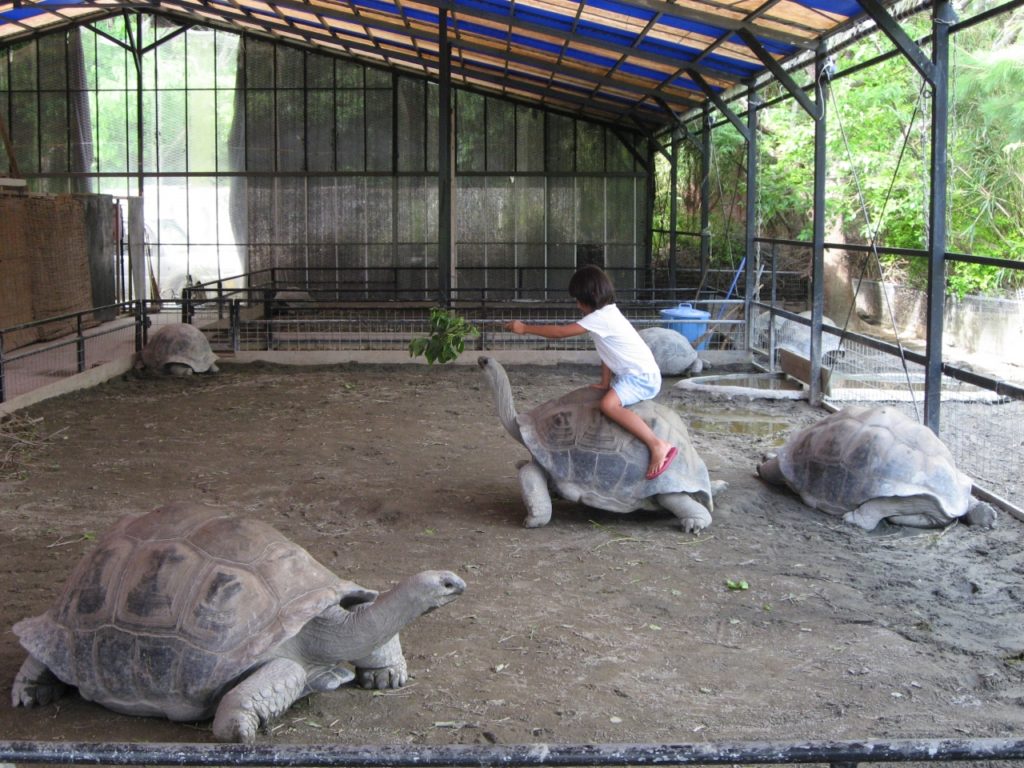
(840, 754)
(272, 318)
(285, 317)
(480, 284)
(71, 349)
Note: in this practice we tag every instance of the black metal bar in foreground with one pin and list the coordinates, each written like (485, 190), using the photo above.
(520, 756)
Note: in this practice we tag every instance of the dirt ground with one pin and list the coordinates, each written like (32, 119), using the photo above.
(596, 628)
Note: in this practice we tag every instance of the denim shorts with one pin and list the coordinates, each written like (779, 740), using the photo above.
(634, 387)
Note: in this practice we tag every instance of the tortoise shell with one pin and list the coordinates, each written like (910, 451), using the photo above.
(595, 461)
(170, 608)
(859, 454)
(672, 351)
(179, 344)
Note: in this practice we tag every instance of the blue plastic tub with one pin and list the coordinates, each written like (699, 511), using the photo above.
(695, 327)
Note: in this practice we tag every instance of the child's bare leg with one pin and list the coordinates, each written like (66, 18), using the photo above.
(612, 407)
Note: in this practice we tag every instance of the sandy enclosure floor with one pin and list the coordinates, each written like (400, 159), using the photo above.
(596, 628)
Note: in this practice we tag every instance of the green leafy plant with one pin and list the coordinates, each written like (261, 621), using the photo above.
(447, 339)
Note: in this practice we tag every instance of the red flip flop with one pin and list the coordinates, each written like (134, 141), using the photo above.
(669, 458)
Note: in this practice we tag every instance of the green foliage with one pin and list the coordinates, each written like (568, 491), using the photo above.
(447, 339)
(878, 155)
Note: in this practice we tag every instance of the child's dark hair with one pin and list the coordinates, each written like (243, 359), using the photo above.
(591, 286)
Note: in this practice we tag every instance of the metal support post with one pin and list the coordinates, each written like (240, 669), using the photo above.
(673, 213)
(752, 264)
(3, 388)
(235, 324)
(140, 324)
(818, 238)
(79, 345)
(705, 195)
(943, 17)
(445, 167)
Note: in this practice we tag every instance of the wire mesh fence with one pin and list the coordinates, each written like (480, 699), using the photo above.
(301, 325)
(981, 425)
(38, 365)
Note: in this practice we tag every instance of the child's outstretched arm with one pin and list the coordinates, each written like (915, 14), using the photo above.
(560, 331)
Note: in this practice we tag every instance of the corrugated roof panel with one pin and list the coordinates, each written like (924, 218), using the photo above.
(602, 33)
(607, 59)
(846, 8)
(623, 9)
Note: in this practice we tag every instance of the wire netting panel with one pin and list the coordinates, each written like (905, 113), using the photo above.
(379, 126)
(416, 199)
(561, 210)
(470, 143)
(320, 152)
(623, 204)
(982, 429)
(529, 139)
(412, 117)
(986, 437)
(560, 143)
(590, 147)
(322, 203)
(864, 374)
(350, 126)
(501, 123)
(43, 364)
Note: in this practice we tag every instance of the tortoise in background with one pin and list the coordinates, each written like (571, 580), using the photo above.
(673, 352)
(874, 464)
(178, 349)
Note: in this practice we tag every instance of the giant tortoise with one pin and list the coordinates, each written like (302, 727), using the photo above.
(178, 349)
(873, 464)
(583, 456)
(672, 351)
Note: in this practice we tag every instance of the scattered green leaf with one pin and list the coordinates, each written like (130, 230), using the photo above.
(737, 584)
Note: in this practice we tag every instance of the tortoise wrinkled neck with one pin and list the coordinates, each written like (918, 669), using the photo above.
(503, 401)
(343, 635)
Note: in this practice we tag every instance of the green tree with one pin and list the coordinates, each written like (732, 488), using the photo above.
(878, 157)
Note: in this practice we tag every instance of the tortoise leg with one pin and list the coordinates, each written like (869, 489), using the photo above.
(913, 511)
(534, 483)
(258, 699)
(693, 516)
(981, 514)
(769, 471)
(384, 668)
(329, 678)
(35, 685)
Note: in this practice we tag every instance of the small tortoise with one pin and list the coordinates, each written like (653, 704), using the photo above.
(585, 457)
(873, 464)
(188, 612)
(672, 351)
(178, 349)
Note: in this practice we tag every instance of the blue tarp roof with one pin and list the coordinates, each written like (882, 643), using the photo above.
(623, 61)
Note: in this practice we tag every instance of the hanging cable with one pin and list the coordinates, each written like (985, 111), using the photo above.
(875, 230)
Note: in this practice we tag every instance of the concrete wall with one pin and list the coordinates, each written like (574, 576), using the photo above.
(975, 323)
(985, 325)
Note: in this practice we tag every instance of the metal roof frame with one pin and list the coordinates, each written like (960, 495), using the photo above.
(632, 62)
